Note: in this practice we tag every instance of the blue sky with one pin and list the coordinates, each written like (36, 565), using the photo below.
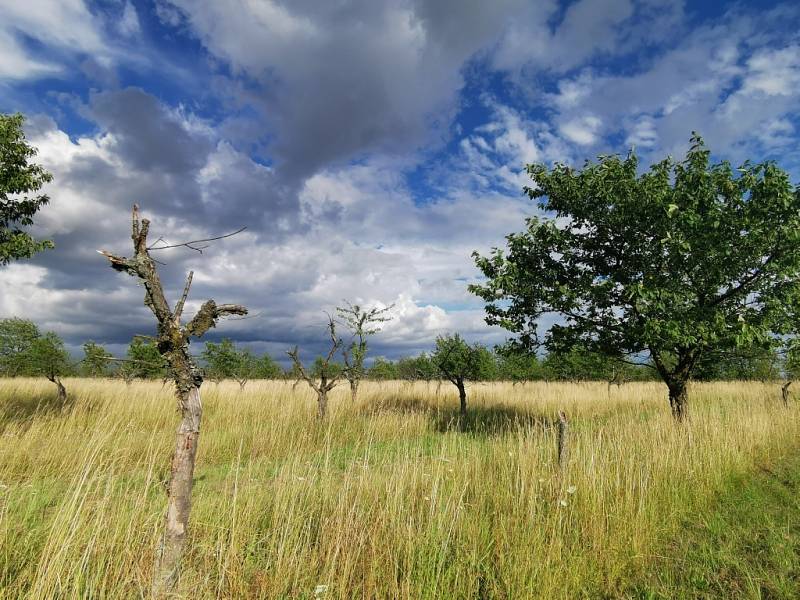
(368, 146)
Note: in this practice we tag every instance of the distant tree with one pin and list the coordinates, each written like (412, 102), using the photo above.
(265, 367)
(756, 363)
(16, 337)
(19, 180)
(226, 361)
(96, 360)
(362, 323)
(143, 361)
(417, 368)
(518, 365)
(661, 267)
(326, 373)
(48, 357)
(460, 362)
(383, 370)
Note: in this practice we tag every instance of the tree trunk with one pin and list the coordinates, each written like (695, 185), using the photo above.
(179, 503)
(785, 392)
(322, 403)
(62, 391)
(354, 389)
(678, 399)
(462, 401)
(563, 447)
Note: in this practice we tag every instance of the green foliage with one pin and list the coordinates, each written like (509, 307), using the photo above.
(330, 369)
(265, 367)
(47, 357)
(16, 337)
(224, 360)
(383, 370)
(417, 368)
(756, 363)
(19, 179)
(457, 360)
(685, 259)
(144, 361)
(95, 361)
(24, 351)
(515, 364)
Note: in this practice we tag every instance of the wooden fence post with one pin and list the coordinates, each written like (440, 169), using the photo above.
(563, 449)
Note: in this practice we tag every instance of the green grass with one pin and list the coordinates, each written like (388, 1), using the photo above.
(745, 544)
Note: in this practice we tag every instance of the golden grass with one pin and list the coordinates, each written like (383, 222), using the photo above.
(385, 500)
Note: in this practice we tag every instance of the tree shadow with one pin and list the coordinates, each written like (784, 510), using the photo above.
(23, 410)
(490, 420)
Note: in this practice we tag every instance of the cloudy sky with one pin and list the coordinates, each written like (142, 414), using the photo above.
(368, 146)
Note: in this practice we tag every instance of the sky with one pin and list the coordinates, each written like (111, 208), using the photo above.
(369, 146)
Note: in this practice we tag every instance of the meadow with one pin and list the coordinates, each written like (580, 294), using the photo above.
(387, 498)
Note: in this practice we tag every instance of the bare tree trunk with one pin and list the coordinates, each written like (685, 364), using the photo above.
(176, 523)
(354, 389)
(678, 399)
(322, 403)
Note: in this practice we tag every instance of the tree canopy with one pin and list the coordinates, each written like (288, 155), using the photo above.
(671, 265)
(19, 180)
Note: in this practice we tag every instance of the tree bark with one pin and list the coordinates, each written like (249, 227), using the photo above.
(176, 523)
(462, 400)
(678, 399)
(62, 391)
(322, 403)
(785, 392)
(563, 448)
(354, 389)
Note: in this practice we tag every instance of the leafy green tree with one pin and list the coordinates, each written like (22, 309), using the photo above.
(96, 360)
(383, 370)
(143, 361)
(668, 265)
(47, 357)
(460, 362)
(265, 367)
(417, 368)
(16, 337)
(757, 363)
(226, 361)
(517, 365)
(19, 180)
(362, 323)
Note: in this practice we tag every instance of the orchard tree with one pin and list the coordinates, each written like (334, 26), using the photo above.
(16, 337)
(96, 360)
(517, 365)
(362, 323)
(19, 181)
(172, 343)
(226, 361)
(326, 372)
(143, 361)
(265, 367)
(665, 266)
(459, 362)
(47, 357)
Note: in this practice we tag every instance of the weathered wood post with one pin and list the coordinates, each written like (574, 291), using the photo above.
(563, 440)
(785, 393)
(173, 344)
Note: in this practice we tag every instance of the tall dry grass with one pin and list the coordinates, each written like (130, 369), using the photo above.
(385, 500)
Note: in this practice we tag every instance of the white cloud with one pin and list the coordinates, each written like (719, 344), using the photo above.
(582, 130)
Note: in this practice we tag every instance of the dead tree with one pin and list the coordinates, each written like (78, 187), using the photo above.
(563, 445)
(173, 344)
(328, 375)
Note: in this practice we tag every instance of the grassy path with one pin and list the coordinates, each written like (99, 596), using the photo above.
(746, 545)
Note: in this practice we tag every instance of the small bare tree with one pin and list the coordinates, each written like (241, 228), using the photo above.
(173, 344)
(362, 324)
(327, 372)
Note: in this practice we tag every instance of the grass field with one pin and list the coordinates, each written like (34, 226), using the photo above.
(389, 500)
